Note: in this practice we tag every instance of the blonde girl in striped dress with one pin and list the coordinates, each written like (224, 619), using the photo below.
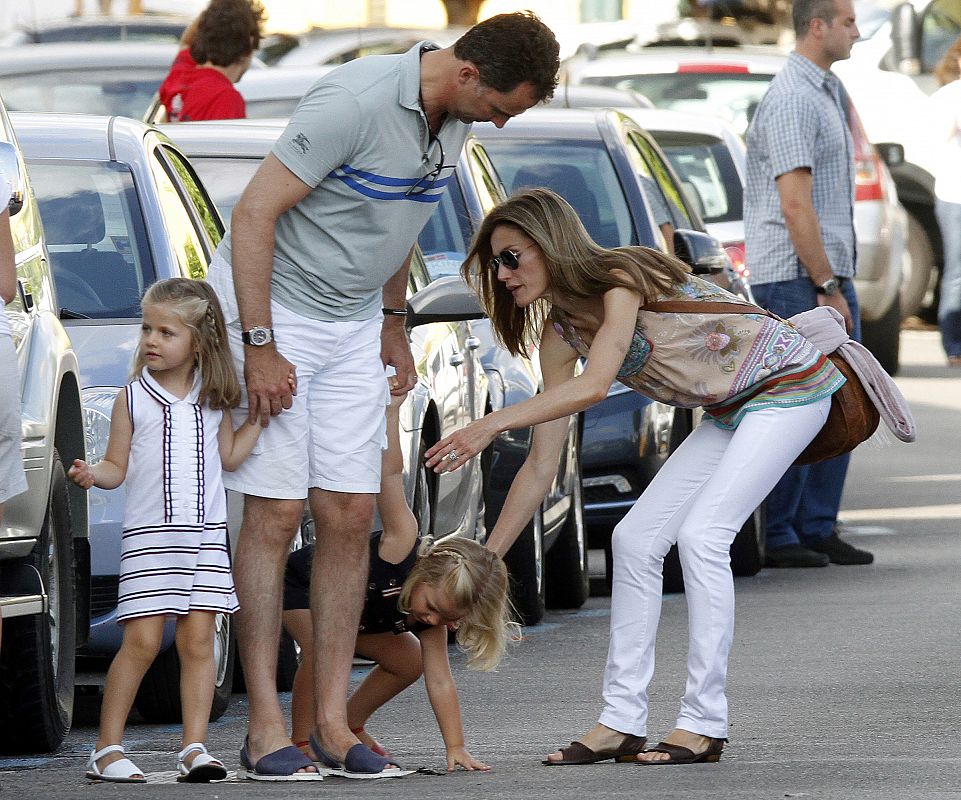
(169, 442)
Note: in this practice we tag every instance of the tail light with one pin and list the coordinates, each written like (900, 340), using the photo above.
(868, 170)
(735, 252)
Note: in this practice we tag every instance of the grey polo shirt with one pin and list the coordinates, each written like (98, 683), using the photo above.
(800, 122)
(360, 138)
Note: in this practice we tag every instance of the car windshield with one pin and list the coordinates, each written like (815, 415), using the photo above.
(707, 171)
(580, 171)
(446, 236)
(225, 179)
(733, 96)
(123, 92)
(112, 33)
(95, 235)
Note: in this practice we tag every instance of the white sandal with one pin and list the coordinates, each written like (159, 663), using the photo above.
(203, 769)
(121, 771)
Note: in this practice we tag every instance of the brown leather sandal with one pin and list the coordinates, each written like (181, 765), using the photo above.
(579, 753)
(677, 754)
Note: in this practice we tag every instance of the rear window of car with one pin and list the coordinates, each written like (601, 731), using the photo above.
(705, 167)
(123, 92)
(581, 172)
(225, 180)
(96, 237)
(733, 96)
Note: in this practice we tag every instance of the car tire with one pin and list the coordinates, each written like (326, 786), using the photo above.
(525, 562)
(919, 268)
(158, 699)
(883, 337)
(423, 495)
(568, 576)
(38, 663)
(750, 544)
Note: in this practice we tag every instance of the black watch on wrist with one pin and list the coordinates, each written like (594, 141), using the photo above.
(258, 336)
(829, 287)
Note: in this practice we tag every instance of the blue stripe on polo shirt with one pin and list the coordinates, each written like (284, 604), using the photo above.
(348, 175)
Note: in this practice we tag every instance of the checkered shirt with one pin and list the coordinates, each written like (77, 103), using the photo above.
(800, 122)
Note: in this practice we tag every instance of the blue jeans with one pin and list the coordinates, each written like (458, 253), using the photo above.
(804, 504)
(949, 306)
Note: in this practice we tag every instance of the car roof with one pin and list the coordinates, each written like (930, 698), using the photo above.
(662, 119)
(77, 136)
(279, 82)
(558, 123)
(240, 138)
(762, 60)
(85, 55)
(583, 95)
(321, 45)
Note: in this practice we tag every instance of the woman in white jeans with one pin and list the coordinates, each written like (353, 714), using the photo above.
(765, 391)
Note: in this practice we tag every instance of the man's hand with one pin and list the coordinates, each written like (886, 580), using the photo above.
(395, 352)
(840, 304)
(271, 383)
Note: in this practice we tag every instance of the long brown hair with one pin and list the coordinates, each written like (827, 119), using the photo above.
(196, 306)
(576, 265)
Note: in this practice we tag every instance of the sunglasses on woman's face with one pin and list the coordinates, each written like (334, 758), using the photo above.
(509, 258)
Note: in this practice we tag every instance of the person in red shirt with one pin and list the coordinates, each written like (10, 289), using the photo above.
(218, 48)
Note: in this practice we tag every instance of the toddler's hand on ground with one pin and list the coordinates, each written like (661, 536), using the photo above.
(458, 756)
(81, 474)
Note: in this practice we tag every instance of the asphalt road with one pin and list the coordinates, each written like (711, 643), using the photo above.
(843, 680)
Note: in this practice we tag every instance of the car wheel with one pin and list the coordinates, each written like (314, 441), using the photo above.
(38, 663)
(750, 544)
(525, 562)
(568, 577)
(883, 338)
(422, 505)
(919, 268)
(158, 699)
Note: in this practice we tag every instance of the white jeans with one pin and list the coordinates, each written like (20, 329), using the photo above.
(700, 499)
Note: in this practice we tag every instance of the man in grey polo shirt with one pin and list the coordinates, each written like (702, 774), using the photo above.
(800, 247)
(320, 241)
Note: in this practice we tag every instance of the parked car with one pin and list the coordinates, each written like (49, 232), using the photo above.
(84, 77)
(99, 28)
(338, 46)
(121, 208)
(44, 548)
(227, 154)
(730, 84)
(568, 96)
(609, 168)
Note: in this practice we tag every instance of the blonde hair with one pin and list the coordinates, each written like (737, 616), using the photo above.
(475, 579)
(576, 265)
(196, 305)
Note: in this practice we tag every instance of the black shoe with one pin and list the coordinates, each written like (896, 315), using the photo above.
(839, 551)
(795, 555)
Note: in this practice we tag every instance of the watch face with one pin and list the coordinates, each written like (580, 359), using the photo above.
(259, 336)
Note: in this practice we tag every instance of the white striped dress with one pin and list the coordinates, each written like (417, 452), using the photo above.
(174, 555)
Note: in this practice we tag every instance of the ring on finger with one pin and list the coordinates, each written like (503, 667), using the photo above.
(452, 455)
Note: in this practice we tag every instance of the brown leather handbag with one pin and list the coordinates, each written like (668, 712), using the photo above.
(853, 418)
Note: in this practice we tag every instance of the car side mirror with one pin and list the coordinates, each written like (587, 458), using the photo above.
(891, 153)
(447, 299)
(10, 166)
(906, 39)
(700, 251)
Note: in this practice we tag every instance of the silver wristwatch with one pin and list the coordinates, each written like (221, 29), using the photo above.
(829, 287)
(258, 336)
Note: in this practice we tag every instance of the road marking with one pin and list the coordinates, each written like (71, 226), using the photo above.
(948, 511)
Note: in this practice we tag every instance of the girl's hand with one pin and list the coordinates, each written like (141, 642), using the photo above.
(458, 756)
(464, 444)
(81, 474)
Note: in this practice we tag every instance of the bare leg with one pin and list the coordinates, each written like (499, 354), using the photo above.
(266, 533)
(338, 578)
(299, 626)
(195, 646)
(399, 664)
(141, 643)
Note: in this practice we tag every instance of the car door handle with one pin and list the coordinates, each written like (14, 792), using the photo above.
(473, 342)
(456, 359)
(26, 295)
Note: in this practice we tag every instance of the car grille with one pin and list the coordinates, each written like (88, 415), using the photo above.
(103, 595)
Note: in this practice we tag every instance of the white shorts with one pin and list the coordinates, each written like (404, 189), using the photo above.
(332, 436)
(13, 481)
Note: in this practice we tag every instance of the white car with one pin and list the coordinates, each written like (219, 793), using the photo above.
(728, 84)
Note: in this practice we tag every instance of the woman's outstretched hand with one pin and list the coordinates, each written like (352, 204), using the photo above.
(453, 451)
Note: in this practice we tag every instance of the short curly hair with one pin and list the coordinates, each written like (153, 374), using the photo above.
(511, 49)
(227, 31)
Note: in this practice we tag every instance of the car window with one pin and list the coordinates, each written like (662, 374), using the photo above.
(96, 236)
(733, 96)
(707, 173)
(123, 92)
(419, 277)
(203, 207)
(581, 172)
(184, 238)
(272, 108)
(940, 26)
(446, 236)
(225, 179)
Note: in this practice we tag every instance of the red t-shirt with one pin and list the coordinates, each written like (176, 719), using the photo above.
(192, 93)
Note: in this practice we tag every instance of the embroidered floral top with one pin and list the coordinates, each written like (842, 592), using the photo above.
(728, 363)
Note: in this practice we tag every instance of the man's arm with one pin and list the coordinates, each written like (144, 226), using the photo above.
(394, 344)
(804, 229)
(271, 191)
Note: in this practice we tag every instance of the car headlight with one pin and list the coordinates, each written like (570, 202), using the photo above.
(97, 407)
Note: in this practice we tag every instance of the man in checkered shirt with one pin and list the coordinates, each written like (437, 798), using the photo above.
(800, 247)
